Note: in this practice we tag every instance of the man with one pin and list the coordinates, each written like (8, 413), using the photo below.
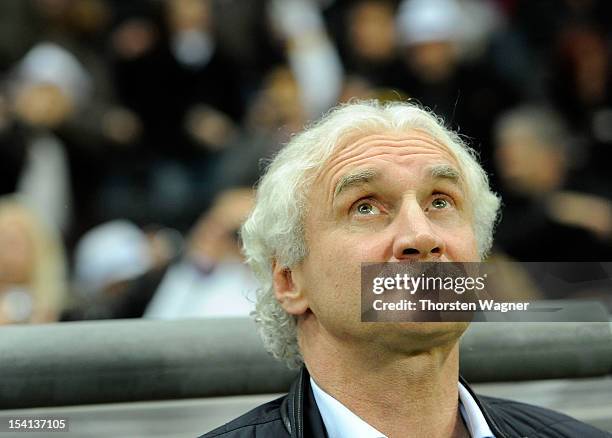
(551, 211)
(371, 183)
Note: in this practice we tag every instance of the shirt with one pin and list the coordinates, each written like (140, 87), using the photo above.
(340, 422)
(187, 292)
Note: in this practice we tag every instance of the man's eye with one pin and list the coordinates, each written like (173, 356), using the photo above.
(439, 203)
(366, 208)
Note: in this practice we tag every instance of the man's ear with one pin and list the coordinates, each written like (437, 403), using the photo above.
(287, 291)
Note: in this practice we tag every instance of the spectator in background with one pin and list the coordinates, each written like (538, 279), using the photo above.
(32, 266)
(123, 272)
(108, 258)
(211, 279)
(371, 42)
(275, 113)
(49, 86)
(170, 72)
(581, 89)
(62, 43)
(243, 32)
(53, 154)
(543, 220)
(469, 95)
(311, 55)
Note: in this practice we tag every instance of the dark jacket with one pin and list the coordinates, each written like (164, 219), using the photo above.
(296, 415)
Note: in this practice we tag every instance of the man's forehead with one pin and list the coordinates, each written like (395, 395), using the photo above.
(393, 146)
(391, 137)
(360, 176)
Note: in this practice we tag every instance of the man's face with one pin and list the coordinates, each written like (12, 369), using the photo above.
(382, 198)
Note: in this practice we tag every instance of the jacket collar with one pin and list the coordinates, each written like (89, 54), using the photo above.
(302, 419)
(299, 411)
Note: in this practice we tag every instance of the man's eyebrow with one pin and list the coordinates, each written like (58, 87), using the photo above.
(445, 171)
(355, 178)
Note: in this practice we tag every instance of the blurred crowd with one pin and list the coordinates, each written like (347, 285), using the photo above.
(131, 132)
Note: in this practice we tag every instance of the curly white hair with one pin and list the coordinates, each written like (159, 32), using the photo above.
(274, 232)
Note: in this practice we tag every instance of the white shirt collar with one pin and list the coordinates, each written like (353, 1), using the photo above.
(472, 415)
(340, 422)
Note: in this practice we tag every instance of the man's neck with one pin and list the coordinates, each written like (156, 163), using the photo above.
(412, 395)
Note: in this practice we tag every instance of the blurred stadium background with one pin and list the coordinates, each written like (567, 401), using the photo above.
(132, 131)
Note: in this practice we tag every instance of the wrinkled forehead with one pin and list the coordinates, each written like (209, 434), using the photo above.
(393, 146)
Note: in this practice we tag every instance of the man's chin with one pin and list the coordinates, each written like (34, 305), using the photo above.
(419, 336)
(451, 328)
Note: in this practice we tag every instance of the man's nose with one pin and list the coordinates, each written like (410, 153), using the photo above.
(415, 239)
